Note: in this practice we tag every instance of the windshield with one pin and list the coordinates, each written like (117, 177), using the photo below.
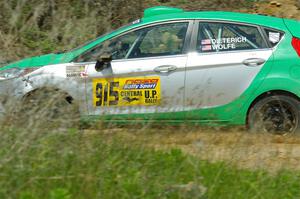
(120, 28)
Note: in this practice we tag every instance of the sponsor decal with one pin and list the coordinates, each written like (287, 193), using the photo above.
(221, 44)
(128, 99)
(274, 37)
(143, 91)
(76, 71)
(206, 48)
(140, 84)
(136, 21)
(206, 42)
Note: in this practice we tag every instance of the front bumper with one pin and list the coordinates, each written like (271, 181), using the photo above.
(9, 93)
(2, 110)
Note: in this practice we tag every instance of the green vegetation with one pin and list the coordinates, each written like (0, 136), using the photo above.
(73, 164)
(39, 163)
(31, 27)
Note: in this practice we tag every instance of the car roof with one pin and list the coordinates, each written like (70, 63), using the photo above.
(179, 14)
(162, 14)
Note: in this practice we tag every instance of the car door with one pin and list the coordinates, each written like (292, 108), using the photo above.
(226, 59)
(146, 74)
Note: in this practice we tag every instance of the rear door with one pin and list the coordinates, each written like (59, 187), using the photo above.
(226, 59)
(147, 72)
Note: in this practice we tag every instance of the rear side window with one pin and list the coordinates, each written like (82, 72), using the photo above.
(274, 36)
(161, 40)
(219, 37)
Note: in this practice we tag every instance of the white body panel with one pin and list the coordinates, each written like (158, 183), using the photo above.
(53, 76)
(199, 81)
(215, 79)
(172, 83)
(195, 81)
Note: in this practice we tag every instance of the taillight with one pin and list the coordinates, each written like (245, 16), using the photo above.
(296, 45)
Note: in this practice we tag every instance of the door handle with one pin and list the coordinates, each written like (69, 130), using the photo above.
(165, 69)
(254, 62)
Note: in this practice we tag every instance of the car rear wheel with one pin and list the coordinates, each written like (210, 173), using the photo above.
(278, 114)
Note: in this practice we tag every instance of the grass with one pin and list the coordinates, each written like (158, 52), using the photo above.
(73, 164)
(36, 162)
(29, 28)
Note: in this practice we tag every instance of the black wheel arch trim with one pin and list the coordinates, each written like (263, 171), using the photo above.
(70, 99)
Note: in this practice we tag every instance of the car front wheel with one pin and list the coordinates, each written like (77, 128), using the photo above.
(50, 108)
(278, 114)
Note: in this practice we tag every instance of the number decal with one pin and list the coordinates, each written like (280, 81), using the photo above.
(103, 94)
(113, 93)
(143, 91)
(105, 97)
(98, 94)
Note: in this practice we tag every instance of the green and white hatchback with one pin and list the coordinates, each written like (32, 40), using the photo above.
(176, 66)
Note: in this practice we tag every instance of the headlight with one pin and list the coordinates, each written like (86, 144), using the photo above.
(15, 72)
(10, 73)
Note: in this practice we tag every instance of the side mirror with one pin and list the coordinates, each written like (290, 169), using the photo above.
(103, 62)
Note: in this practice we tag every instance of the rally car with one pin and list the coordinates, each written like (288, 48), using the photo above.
(175, 66)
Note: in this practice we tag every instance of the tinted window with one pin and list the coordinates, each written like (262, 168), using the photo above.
(167, 39)
(218, 37)
(160, 40)
(274, 36)
(118, 48)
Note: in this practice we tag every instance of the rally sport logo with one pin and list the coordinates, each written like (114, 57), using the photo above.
(140, 84)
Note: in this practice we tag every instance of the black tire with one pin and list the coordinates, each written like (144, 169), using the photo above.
(278, 114)
(49, 108)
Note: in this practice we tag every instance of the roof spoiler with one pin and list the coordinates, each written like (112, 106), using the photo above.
(293, 26)
(161, 10)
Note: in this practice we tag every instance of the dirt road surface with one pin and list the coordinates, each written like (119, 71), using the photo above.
(235, 147)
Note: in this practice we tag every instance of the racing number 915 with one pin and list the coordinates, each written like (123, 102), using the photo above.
(105, 92)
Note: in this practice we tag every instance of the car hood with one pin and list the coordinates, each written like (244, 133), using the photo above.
(39, 61)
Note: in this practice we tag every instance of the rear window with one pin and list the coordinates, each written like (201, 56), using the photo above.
(274, 36)
(219, 37)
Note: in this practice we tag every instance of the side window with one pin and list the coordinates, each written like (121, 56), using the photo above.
(118, 47)
(274, 36)
(159, 40)
(219, 37)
